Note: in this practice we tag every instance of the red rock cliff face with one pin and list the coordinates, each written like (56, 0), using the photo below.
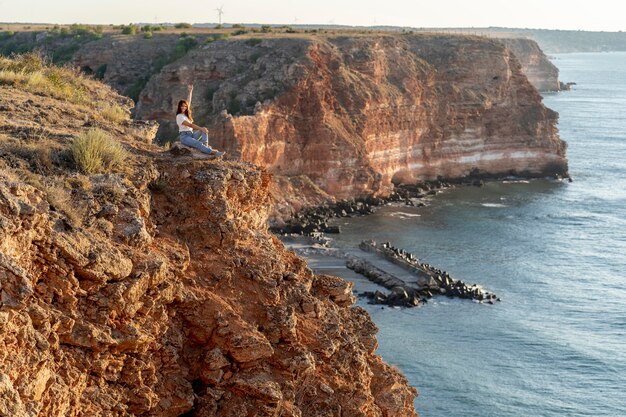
(541, 73)
(356, 114)
(158, 290)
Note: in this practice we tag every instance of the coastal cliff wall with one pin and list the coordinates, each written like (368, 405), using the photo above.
(155, 289)
(335, 117)
(352, 116)
(541, 72)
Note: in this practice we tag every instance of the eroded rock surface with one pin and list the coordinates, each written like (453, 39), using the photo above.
(157, 290)
(350, 116)
(541, 73)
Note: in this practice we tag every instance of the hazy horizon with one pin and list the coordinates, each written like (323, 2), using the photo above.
(602, 15)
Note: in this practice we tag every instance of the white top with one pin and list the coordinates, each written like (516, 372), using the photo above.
(180, 118)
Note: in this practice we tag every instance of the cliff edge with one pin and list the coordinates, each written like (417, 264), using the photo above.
(341, 117)
(154, 288)
(346, 114)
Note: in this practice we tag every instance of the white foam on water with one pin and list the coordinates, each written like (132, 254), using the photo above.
(404, 215)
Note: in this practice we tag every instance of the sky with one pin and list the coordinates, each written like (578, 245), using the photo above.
(606, 15)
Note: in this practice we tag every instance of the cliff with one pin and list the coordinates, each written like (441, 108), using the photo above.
(155, 288)
(350, 116)
(541, 72)
(554, 41)
(336, 117)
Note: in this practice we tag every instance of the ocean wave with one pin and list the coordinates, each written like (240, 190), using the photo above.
(404, 215)
(499, 205)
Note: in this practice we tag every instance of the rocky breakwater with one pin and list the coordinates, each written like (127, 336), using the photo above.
(157, 290)
(431, 280)
(351, 116)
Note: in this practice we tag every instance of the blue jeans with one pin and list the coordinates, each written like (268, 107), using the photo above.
(198, 140)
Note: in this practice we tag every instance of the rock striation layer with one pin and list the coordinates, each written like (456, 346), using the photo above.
(541, 72)
(157, 290)
(351, 116)
(341, 116)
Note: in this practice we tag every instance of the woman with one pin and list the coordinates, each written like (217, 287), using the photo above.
(198, 139)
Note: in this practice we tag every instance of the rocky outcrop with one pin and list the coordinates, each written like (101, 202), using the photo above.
(344, 116)
(124, 61)
(541, 72)
(356, 115)
(157, 290)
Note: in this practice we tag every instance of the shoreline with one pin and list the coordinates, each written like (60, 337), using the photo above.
(313, 221)
(307, 243)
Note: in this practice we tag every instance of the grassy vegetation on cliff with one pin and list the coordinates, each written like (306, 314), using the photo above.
(59, 128)
(114, 113)
(95, 151)
(32, 73)
(37, 136)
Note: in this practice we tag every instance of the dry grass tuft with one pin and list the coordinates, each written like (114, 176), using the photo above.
(11, 78)
(60, 200)
(114, 113)
(95, 152)
(35, 148)
(31, 72)
(58, 197)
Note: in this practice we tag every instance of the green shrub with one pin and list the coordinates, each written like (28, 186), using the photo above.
(64, 53)
(240, 32)
(253, 41)
(134, 90)
(217, 37)
(129, 30)
(85, 30)
(95, 152)
(100, 71)
(147, 35)
(182, 25)
(234, 106)
(209, 93)
(266, 28)
(238, 26)
(152, 28)
(184, 44)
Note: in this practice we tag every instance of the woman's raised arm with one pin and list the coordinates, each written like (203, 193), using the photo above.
(189, 93)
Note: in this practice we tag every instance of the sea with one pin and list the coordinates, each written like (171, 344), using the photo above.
(553, 251)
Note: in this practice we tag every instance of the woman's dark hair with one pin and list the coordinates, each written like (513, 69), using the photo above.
(187, 111)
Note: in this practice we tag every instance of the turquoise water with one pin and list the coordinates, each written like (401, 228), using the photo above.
(555, 252)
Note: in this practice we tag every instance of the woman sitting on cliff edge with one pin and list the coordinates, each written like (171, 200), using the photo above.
(190, 134)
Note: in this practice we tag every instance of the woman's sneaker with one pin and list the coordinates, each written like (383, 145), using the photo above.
(217, 155)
